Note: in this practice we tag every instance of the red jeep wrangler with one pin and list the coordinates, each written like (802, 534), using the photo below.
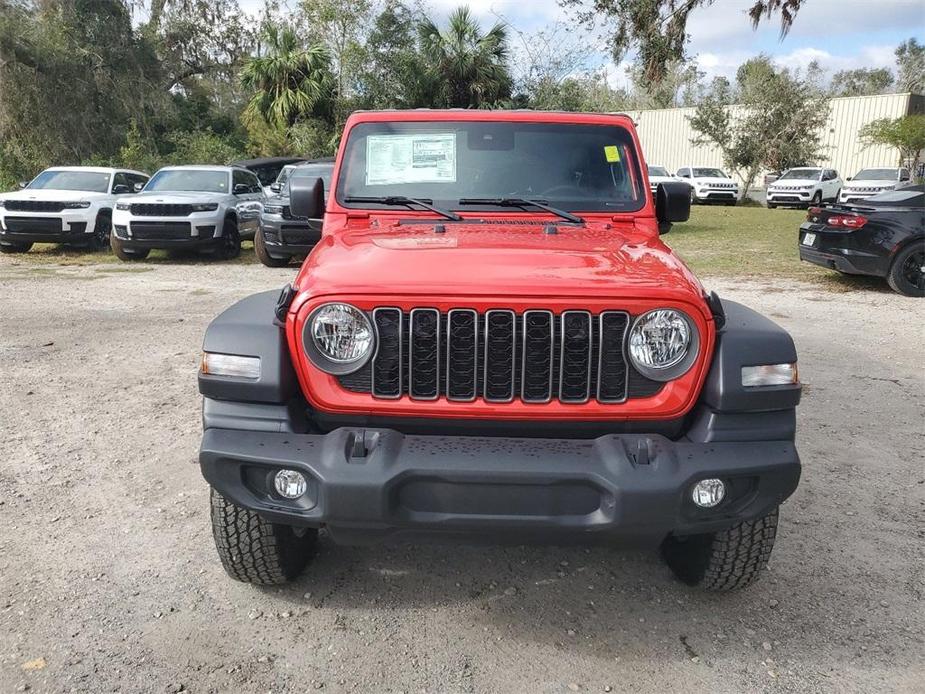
(492, 340)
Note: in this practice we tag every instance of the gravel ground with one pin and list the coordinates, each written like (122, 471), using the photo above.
(109, 580)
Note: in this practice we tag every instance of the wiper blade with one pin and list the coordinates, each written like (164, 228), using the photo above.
(523, 202)
(426, 203)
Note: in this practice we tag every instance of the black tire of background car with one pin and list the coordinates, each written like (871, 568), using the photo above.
(817, 199)
(231, 240)
(264, 257)
(15, 247)
(906, 274)
(732, 203)
(101, 232)
(693, 197)
(254, 550)
(122, 253)
(771, 205)
(727, 560)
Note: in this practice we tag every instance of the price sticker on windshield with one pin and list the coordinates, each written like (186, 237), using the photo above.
(612, 153)
(418, 158)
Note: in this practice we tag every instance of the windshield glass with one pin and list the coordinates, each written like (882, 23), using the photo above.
(322, 171)
(89, 181)
(658, 171)
(804, 174)
(876, 175)
(192, 180)
(570, 166)
(284, 174)
(709, 173)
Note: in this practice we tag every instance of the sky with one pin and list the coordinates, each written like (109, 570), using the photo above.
(839, 34)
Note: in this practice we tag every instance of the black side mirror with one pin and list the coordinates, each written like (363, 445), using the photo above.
(120, 189)
(275, 187)
(848, 179)
(241, 189)
(672, 204)
(138, 187)
(306, 197)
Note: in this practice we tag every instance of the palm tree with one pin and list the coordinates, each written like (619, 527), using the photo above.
(288, 81)
(470, 67)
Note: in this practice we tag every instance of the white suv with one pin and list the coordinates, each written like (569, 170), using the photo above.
(804, 186)
(868, 182)
(64, 204)
(709, 185)
(659, 174)
(195, 207)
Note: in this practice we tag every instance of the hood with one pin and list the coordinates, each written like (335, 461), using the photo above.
(712, 179)
(498, 259)
(51, 194)
(872, 183)
(172, 196)
(794, 182)
(663, 179)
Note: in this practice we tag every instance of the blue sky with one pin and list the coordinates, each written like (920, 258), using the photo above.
(840, 34)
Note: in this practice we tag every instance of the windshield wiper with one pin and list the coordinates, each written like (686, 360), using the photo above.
(426, 203)
(523, 202)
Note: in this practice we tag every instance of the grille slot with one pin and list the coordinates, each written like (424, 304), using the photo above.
(424, 354)
(161, 210)
(34, 206)
(462, 346)
(161, 231)
(499, 355)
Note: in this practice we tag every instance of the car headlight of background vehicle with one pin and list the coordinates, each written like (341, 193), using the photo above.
(338, 338)
(204, 207)
(81, 205)
(123, 206)
(663, 344)
(273, 209)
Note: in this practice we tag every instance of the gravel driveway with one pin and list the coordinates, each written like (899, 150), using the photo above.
(109, 581)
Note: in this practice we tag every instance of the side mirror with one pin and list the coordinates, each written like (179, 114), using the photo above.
(120, 189)
(241, 189)
(138, 187)
(672, 204)
(306, 197)
(848, 179)
(23, 184)
(275, 187)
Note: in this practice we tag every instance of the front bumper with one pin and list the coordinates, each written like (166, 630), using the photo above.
(69, 226)
(287, 237)
(789, 197)
(194, 231)
(370, 484)
(716, 194)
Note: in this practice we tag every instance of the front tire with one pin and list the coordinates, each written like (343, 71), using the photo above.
(260, 248)
(15, 247)
(123, 253)
(907, 273)
(817, 199)
(254, 550)
(231, 240)
(727, 560)
(101, 233)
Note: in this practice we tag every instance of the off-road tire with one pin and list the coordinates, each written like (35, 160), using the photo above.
(122, 253)
(728, 560)
(231, 240)
(254, 550)
(902, 277)
(15, 247)
(264, 257)
(102, 232)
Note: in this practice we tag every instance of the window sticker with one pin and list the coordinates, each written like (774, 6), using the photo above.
(419, 158)
(612, 153)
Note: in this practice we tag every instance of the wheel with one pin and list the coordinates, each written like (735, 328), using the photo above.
(254, 550)
(732, 203)
(907, 273)
(693, 197)
(817, 199)
(264, 257)
(101, 232)
(231, 240)
(15, 247)
(123, 253)
(726, 560)
(771, 206)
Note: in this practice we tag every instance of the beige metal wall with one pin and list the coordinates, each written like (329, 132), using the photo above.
(666, 134)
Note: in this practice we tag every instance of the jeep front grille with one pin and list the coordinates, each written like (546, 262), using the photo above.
(33, 206)
(535, 356)
(161, 210)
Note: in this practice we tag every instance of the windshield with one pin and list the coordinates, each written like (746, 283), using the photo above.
(322, 171)
(570, 166)
(709, 173)
(804, 174)
(89, 181)
(192, 180)
(877, 175)
(658, 171)
(284, 174)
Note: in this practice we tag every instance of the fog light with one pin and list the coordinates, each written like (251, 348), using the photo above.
(290, 484)
(708, 493)
(770, 375)
(231, 365)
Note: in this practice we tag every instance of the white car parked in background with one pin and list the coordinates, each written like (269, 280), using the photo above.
(659, 174)
(868, 182)
(192, 207)
(804, 186)
(64, 204)
(710, 185)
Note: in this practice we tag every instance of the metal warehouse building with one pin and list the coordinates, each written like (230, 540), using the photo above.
(666, 134)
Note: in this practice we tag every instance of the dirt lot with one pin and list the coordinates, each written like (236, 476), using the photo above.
(109, 581)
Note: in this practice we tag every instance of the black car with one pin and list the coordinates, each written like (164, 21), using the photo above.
(267, 168)
(883, 236)
(283, 236)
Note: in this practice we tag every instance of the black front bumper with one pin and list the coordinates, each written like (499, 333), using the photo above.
(44, 230)
(286, 238)
(369, 484)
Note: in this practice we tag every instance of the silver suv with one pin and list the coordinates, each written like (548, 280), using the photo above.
(209, 208)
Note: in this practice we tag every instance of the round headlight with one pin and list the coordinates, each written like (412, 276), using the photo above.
(340, 338)
(663, 344)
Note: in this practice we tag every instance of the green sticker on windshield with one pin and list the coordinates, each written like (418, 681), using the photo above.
(612, 153)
